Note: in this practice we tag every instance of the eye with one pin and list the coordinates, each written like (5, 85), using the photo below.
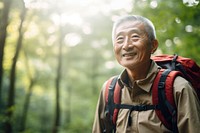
(135, 37)
(120, 39)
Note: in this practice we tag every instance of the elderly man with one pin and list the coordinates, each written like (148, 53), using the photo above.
(134, 40)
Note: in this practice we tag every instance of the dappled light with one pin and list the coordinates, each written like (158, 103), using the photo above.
(188, 28)
(72, 39)
(153, 4)
(191, 2)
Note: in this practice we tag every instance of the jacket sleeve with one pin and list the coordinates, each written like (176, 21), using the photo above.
(188, 106)
(101, 124)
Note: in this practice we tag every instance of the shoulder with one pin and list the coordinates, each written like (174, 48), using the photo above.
(181, 83)
(183, 90)
(105, 87)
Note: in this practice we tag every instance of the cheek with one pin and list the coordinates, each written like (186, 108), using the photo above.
(144, 51)
(116, 49)
(145, 47)
(117, 52)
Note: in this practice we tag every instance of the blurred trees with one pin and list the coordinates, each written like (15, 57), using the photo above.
(26, 104)
(3, 34)
(11, 91)
(60, 55)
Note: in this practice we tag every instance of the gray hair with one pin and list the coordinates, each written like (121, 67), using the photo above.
(149, 26)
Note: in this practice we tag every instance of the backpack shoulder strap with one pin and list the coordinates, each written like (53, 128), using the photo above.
(162, 95)
(112, 97)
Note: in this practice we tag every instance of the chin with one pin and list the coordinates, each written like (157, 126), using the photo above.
(128, 65)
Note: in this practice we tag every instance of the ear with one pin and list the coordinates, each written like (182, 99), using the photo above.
(154, 45)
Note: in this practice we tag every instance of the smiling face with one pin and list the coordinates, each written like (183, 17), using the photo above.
(131, 45)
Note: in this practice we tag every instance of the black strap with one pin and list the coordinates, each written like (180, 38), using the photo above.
(174, 62)
(111, 104)
(168, 111)
(135, 108)
(177, 66)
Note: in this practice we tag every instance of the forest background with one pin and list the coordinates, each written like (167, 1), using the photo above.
(56, 54)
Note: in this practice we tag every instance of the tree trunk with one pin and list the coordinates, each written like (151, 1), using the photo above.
(3, 35)
(58, 78)
(28, 97)
(68, 113)
(26, 107)
(11, 91)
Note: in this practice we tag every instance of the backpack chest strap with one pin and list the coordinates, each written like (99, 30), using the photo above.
(135, 108)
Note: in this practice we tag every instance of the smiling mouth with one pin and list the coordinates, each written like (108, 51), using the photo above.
(128, 54)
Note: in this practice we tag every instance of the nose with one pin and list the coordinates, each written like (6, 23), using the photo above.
(127, 44)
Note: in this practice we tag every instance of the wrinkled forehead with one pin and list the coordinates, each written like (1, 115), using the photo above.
(128, 25)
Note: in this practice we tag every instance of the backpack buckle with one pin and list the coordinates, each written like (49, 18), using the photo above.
(143, 107)
(139, 108)
(161, 85)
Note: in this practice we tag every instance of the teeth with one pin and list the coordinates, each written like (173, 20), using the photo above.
(128, 54)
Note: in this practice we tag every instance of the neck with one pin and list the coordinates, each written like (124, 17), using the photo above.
(139, 72)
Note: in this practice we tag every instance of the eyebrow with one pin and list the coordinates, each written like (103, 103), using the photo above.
(131, 31)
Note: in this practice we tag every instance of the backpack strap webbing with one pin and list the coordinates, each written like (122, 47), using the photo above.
(113, 96)
(113, 103)
(135, 108)
(162, 95)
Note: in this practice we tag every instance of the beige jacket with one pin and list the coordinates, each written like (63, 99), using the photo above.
(147, 121)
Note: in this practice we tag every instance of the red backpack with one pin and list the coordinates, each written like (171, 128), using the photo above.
(162, 94)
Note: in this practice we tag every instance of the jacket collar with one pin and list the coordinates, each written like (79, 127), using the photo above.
(144, 84)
